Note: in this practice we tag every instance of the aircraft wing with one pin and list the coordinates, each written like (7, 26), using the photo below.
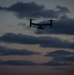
(40, 24)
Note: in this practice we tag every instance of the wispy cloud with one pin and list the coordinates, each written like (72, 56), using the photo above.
(10, 51)
(55, 63)
(21, 24)
(58, 53)
(62, 9)
(33, 40)
(30, 63)
(18, 62)
(64, 59)
(61, 56)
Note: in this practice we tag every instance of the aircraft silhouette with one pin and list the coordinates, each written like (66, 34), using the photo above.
(41, 26)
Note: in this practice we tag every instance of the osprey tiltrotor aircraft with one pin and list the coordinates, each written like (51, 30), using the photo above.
(41, 26)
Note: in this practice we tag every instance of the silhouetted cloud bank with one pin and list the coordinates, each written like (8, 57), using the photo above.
(64, 25)
(58, 53)
(11, 51)
(33, 10)
(51, 42)
(30, 63)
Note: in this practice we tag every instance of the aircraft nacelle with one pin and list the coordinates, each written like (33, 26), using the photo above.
(30, 22)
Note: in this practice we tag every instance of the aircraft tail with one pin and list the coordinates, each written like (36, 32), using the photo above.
(51, 23)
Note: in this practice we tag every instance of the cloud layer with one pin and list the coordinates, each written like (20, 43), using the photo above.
(33, 10)
(11, 51)
(64, 59)
(58, 53)
(33, 40)
(18, 62)
(55, 63)
(30, 63)
(60, 57)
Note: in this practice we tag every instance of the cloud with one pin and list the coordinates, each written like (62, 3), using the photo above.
(61, 56)
(64, 25)
(64, 59)
(59, 59)
(54, 63)
(33, 10)
(11, 51)
(18, 63)
(58, 53)
(30, 63)
(33, 40)
(62, 9)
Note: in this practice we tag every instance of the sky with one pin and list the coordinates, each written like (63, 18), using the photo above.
(27, 51)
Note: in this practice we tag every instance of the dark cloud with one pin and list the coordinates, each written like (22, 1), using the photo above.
(32, 9)
(11, 51)
(18, 63)
(30, 63)
(61, 59)
(1, 8)
(32, 40)
(54, 63)
(64, 25)
(61, 56)
(62, 9)
(58, 53)
(64, 59)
